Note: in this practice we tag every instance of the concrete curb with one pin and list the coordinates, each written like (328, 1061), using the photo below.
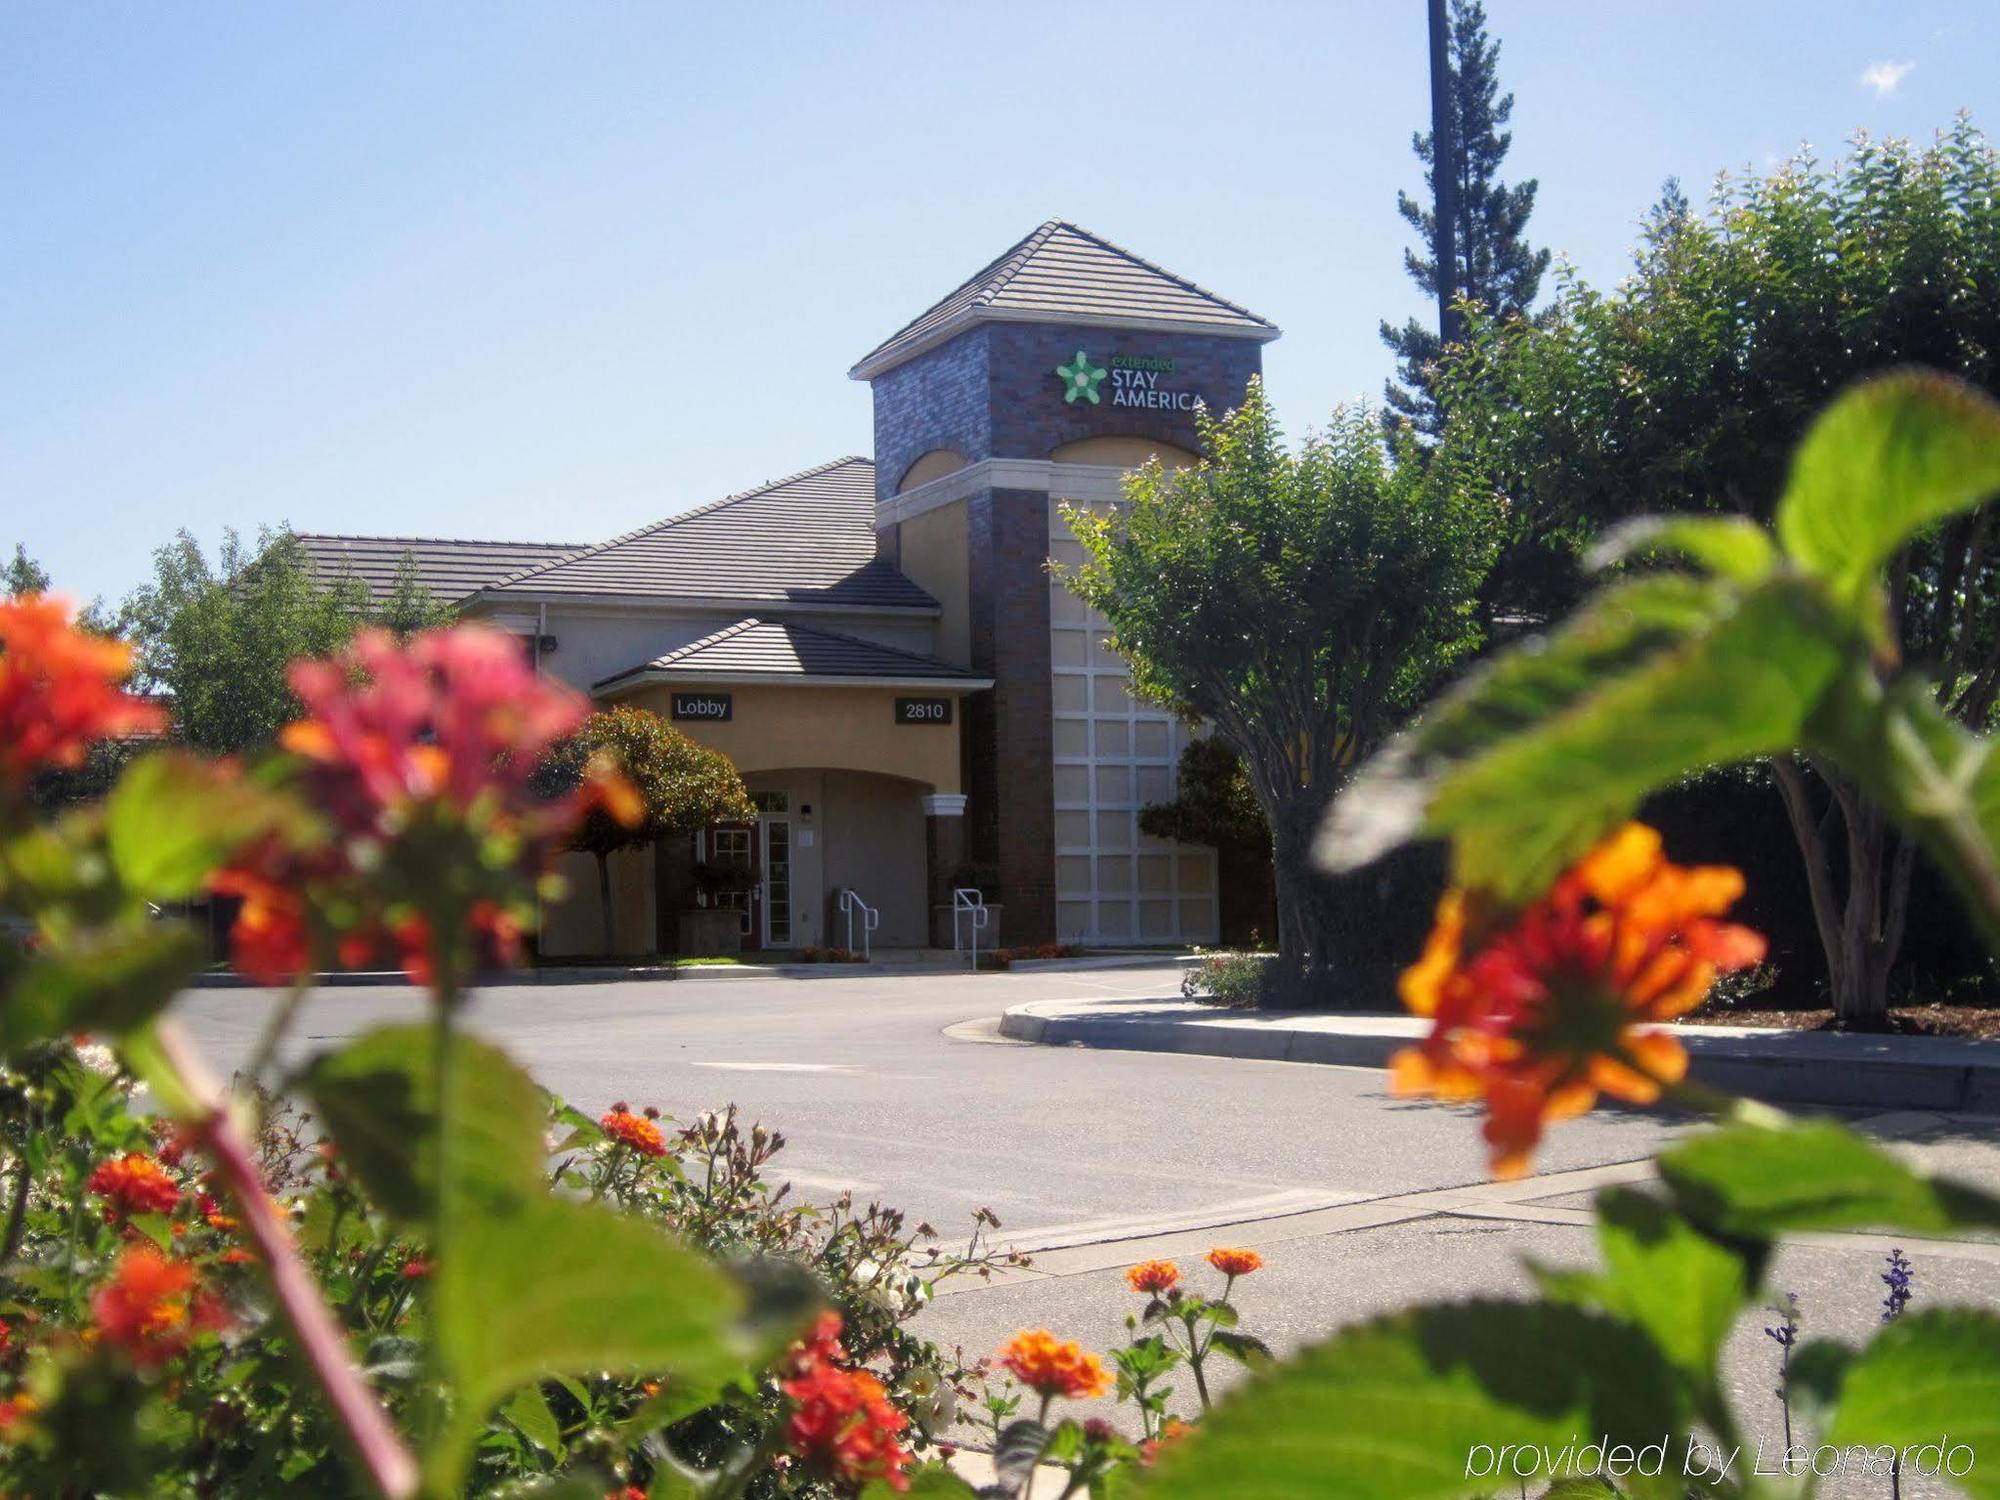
(1940, 1074)
(1107, 961)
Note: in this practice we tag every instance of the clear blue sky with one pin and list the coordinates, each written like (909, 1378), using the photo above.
(556, 270)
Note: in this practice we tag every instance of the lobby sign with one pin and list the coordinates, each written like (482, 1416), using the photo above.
(1134, 380)
(923, 710)
(714, 708)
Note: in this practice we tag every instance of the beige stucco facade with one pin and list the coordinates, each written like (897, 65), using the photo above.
(778, 728)
(852, 789)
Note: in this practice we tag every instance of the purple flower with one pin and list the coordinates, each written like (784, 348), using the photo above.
(1897, 1280)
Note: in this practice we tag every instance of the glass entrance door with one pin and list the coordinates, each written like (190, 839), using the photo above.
(777, 881)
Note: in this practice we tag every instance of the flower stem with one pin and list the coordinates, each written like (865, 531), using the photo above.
(280, 1021)
(392, 1470)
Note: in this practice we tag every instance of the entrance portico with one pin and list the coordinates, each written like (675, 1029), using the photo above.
(851, 752)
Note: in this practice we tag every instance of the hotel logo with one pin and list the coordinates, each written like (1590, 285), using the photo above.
(1081, 378)
(1135, 381)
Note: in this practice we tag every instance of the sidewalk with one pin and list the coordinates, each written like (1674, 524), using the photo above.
(1781, 1067)
(891, 961)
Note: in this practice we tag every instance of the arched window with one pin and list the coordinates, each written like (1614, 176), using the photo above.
(933, 465)
(1123, 452)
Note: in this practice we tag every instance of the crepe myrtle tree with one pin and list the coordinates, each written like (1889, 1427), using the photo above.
(683, 787)
(1302, 602)
(1687, 389)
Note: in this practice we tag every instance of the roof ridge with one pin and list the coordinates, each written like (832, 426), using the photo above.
(449, 541)
(1010, 264)
(1160, 270)
(674, 520)
(708, 640)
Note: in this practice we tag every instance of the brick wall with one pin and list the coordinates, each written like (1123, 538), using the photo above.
(1009, 757)
(937, 400)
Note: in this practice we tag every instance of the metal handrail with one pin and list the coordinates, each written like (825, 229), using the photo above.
(968, 899)
(851, 902)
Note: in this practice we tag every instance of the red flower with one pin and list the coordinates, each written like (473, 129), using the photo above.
(134, 1184)
(15, 1410)
(415, 1269)
(844, 1427)
(150, 1308)
(1547, 1013)
(1053, 1367)
(628, 1129)
(419, 759)
(1155, 1277)
(59, 690)
(1233, 1263)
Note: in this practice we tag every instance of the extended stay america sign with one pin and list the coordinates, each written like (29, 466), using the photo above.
(1131, 379)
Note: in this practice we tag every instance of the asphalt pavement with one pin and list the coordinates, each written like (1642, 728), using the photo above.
(900, 1088)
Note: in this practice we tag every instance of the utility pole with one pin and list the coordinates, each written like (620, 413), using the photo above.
(1444, 173)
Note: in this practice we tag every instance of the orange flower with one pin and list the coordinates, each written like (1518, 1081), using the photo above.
(59, 690)
(1234, 1263)
(15, 1410)
(1171, 1432)
(134, 1184)
(1548, 1012)
(844, 1427)
(1054, 1367)
(1157, 1277)
(236, 1255)
(636, 1131)
(150, 1307)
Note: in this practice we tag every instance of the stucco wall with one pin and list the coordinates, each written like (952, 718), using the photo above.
(932, 552)
(873, 842)
(828, 728)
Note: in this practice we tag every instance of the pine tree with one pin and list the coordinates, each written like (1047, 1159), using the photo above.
(1496, 267)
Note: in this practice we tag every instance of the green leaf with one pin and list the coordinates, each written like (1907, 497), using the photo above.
(1682, 1287)
(1756, 1181)
(1928, 1377)
(535, 1287)
(927, 1482)
(1886, 460)
(174, 817)
(529, 1411)
(1018, 1448)
(1524, 810)
(1819, 1368)
(1626, 627)
(110, 979)
(1728, 546)
(1245, 1349)
(378, 1097)
(1411, 1407)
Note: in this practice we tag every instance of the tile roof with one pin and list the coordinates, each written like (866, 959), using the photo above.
(449, 568)
(807, 539)
(785, 648)
(1063, 274)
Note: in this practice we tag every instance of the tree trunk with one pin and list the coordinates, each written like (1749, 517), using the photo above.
(604, 897)
(1860, 929)
(1305, 943)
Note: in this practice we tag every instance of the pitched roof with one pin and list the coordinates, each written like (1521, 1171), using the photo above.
(450, 568)
(806, 539)
(787, 649)
(1063, 274)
